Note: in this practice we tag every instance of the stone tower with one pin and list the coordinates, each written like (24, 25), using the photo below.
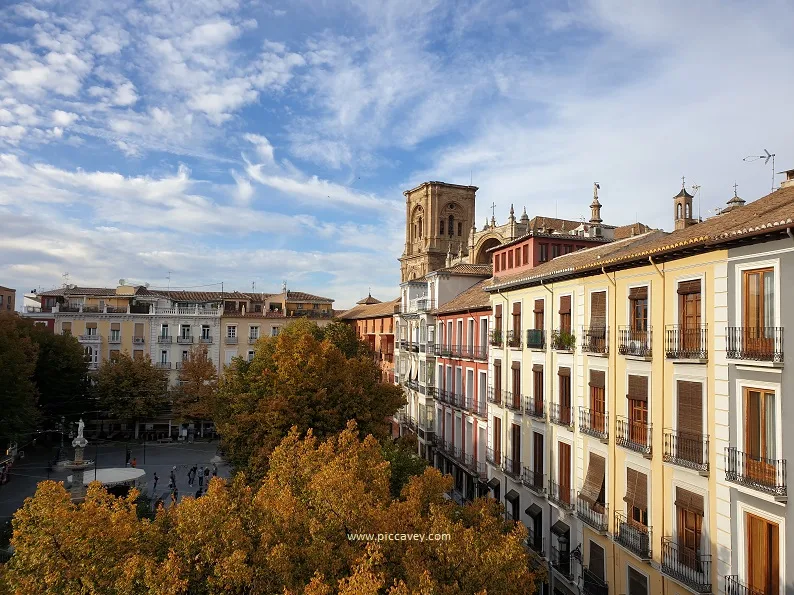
(683, 209)
(438, 217)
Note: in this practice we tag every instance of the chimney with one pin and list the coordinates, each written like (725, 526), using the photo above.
(789, 181)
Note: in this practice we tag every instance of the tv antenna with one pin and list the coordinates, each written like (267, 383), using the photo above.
(65, 279)
(695, 190)
(766, 157)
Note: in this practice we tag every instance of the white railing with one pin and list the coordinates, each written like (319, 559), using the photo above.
(422, 304)
(188, 311)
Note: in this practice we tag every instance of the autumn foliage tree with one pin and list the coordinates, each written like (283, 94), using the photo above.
(290, 535)
(198, 382)
(298, 380)
(130, 388)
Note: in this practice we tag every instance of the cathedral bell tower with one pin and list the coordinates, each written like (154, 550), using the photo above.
(438, 217)
(683, 208)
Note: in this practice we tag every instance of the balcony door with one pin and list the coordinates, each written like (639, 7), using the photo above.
(763, 574)
(689, 523)
(689, 315)
(759, 311)
(760, 435)
(598, 404)
(564, 471)
(690, 421)
(537, 459)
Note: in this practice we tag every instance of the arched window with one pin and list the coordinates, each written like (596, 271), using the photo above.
(678, 211)
(688, 215)
(451, 225)
(441, 227)
(420, 227)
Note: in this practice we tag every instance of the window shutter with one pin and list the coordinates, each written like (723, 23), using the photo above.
(538, 306)
(537, 368)
(564, 372)
(498, 313)
(90, 325)
(686, 287)
(636, 489)
(517, 308)
(638, 388)
(598, 379)
(689, 501)
(690, 407)
(565, 304)
(593, 480)
(115, 326)
(596, 560)
(598, 309)
(139, 329)
(66, 327)
(638, 293)
(515, 365)
(497, 378)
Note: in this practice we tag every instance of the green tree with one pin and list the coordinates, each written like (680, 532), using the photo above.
(18, 355)
(404, 462)
(130, 388)
(198, 382)
(344, 337)
(297, 380)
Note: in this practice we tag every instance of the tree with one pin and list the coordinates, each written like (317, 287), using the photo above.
(344, 337)
(18, 393)
(404, 462)
(297, 380)
(130, 388)
(198, 381)
(292, 534)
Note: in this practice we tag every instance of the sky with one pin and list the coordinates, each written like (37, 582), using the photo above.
(189, 143)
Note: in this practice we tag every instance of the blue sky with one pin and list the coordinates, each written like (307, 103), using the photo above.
(244, 142)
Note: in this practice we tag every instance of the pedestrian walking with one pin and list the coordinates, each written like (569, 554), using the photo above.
(173, 475)
(174, 496)
(134, 462)
(127, 461)
(156, 479)
(214, 470)
(201, 476)
(198, 493)
(207, 476)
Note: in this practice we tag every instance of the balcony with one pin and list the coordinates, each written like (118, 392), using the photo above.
(633, 435)
(205, 340)
(178, 365)
(162, 365)
(114, 339)
(477, 407)
(633, 536)
(562, 340)
(512, 402)
(413, 347)
(495, 338)
(412, 384)
(759, 344)
(561, 415)
(561, 495)
(594, 423)
(494, 396)
(90, 338)
(252, 340)
(536, 542)
(494, 458)
(476, 467)
(686, 565)
(561, 562)
(733, 586)
(534, 480)
(686, 343)
(444, 350)
(512, 468)
(535, 407)
(595, 340)
(164, 338)
(635, 343)
(138, 340)
(593, 584)
(597, 516)
(758, 473)
(184, 340)
(480, 353)
(686, 450)
(514, 339)
(536, 339)
(231, 340)
(423, 304)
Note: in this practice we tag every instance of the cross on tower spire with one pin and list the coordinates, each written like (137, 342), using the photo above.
(493, 209)
(683, 181)
(735, 186)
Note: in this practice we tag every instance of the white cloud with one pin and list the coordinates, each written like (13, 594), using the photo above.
(62, 118)
(128, 149)
(125, 95)
(214, 34)
(263, 147)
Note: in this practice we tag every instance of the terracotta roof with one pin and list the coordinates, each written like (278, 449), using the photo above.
(561, 225)
(4, 288)
(479, 270)
(299, 296)
(205, 296)
(140, 290)
(368, 300)
(370, 310)
(773, 212)
(559, 236)
(474, 298)
(626, 231)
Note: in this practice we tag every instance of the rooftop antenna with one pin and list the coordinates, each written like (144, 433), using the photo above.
(695, 191)
(766, 157)
(253, 286)
(169, 280)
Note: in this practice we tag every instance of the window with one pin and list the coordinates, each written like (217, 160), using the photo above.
(460, 228)
(564, 375)
(689, 525)
(90, 329)
(274, 331)
(185, 355)
(690, 421)
(758, 310)
(564, 471)
(515, 446)
(503, 257)
(231, 331)
(637, 497)
(537, 386)
(544, 252)
(163, 357)
(593, 489)
(637, 396)
(184, 331)
(497, 380)
(164, 330)
(66, 328)
(250, 355)
(441, 227)
(115, 334)
(762, 554)
(229, 356)
(253, 332)
(498, 318)
(497, 440)
(565, 314)
(300, 306)
(525, 254)
(92, 355)
(517, 321)
(638, 308)
(516, 370)
(510, 259)
(638, 582)
(537, 458)
(567, 249)
(760, 434)
(137, 354)
(597, 558)
(539, 314)
(555, 250)
(205, 331)
(470, 334)
(451, 226)
(598, 400)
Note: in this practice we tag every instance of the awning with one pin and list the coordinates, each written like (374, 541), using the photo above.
(638, 293)
(559, 528)
(685, 287)
(493, 483)
(534, 511)
(594, 480)
(636, 489)
(598, 379)
(511, 496)
(564, 372)
(638, 388)
(537, 367)
(688, 501)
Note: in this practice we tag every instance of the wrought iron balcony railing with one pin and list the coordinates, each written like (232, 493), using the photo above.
(205, 339)
(536, 339)
(138, 340)
(759, 473)
(597, 515)
(633, 536)
(595, 339)
(163, 365)
(114, 339)
(480, 352)
(562, 340)
(763, 344)
(593, 584)
(733, 586)
(535, 407)
(512, 401)
(477, 407)
(561, 495)
(475, 466)
(231, 340)
(686, 342)
(514, 339)
(512, 467)
(634, 342)
(561, 562)
(594, 423)
(561, 415)
(444, 350)
(494, 396)
(633, 435)
(686, 450)
(686, 565)
(536, 542)
(164, 338)
(495, 338)
(184, 339)
(493, 457)
(534, 480)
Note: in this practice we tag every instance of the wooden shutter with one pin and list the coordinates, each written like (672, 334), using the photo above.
(497, 440)
(516, 443)
(598, 379)
(537, 452)
(636, 489)
(498, 313)
(138, 329)
(565, 304)
(598, 309)
(537, 374)
(115, 326)
(517, 308)
(537, 367)
(517, 320)
(516, 383)
(638, 388)
(66, 327)
(90, 325)
(564, 372)
(689, 501)
(690, 407)
(497, 378)
(596, 560)
(538, 306)
(763, 566)
(638, 583)
(689, 287)
(638, 293)
(539, 315)
(594, 479)
(564, 469)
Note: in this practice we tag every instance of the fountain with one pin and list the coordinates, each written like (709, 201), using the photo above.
(78, 465)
